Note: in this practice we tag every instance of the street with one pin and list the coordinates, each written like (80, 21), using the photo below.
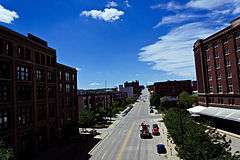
(124, 142)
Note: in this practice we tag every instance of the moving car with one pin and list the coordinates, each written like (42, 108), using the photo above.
(151, 111)
(161, 149)
(155, 130)
(144, 131)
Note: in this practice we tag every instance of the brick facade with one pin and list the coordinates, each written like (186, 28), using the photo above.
(29, 102)
(217, 61)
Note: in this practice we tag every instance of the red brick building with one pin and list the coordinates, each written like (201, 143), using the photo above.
(30, 104)
(171, 88)
(217, 60)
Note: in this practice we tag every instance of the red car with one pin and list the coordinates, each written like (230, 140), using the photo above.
(155, 130)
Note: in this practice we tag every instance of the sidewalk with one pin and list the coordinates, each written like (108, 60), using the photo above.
(170, 146)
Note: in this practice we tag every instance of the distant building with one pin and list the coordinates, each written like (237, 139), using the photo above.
(30, 105)
(94, 100)
(217, 61)
(171, 88)
(128, 90)
(136, 87)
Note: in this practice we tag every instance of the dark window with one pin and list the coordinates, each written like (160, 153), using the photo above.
(20, 52)
(9, 48)
(68, 90)
(4, 70)
(28, 54)
(60, 75)
(51, 93)
(68, 100)
(52, 109)
(24, 92)
(23, 73)
(1, 46)
(48, 60)
(41, 112)
(37, 57)
(24, 117)
(40, 92)
(67, 76)
(50, 76)
(60, 87)
(39, 75)
(42, 59)
(4, 120)
(4, 93)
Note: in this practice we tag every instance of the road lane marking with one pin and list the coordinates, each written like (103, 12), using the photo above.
(124, 144)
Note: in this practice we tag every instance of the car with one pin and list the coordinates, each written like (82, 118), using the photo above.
(151, 111)
(144, 131)
(155, 130)
(161, 149)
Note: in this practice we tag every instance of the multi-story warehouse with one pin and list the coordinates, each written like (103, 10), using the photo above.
(217, 60)
(172, 88)
(29, 103)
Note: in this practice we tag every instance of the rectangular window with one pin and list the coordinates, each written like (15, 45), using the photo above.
(24, 117)
(23, 73)
(24, 92)
(60, 87)
(39, 75)
(52, 110)
(42, 59)
(1, 46)
(4, 120)
(20, 51)
(9, 48)
(68, 90)
(217, 65)
(209, 77)
(210, 89)
(230, 88)
(73, 77)
(60, 75)
(28, 54)
(229, 74)
(216, 55)
(40, 92)
(37, 57)
(4, 70)
(67, 76)
(4, 93)
(219, 88)
(227, 61)
(237, 35)
(50, 76)
(226, 51)
(51, 93)
(41, 112)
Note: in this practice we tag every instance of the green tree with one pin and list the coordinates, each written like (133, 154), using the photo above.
(155, 100)
(167, 103)
(186, 100)
(86, 119)
(5, 152)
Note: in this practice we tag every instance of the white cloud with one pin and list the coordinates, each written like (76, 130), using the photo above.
(108, 14)
(6, 15)
(169, 6)
(78, 69)
(178, 18)
(94, 84)
(127, 3)
(208, 4)
(111, 4)
(173, 52)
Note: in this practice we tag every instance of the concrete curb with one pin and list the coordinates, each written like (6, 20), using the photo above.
(229, 133)
(106, 133)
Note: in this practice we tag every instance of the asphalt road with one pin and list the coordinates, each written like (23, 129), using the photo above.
(124, 142)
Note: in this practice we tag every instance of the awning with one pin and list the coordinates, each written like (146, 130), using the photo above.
(196, 109)
(223, 113)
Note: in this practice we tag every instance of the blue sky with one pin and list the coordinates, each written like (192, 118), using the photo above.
(119, 40)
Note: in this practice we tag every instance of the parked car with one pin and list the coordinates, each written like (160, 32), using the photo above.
(155, 130)
(151, 111)
(161, 149)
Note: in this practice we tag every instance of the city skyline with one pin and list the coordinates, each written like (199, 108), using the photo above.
(115, 41)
